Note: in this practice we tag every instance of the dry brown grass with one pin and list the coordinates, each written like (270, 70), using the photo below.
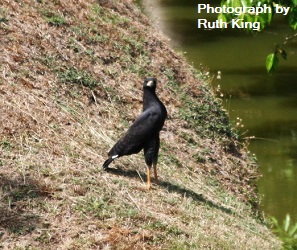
(70, 84)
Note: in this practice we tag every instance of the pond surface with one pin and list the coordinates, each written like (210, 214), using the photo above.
(267, 104)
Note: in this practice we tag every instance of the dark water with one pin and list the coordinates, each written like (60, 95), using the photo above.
(267, 104)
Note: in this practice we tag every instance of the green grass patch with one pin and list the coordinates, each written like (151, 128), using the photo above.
(6, 145)
(73, 75)
(3, 16)
(54, 19)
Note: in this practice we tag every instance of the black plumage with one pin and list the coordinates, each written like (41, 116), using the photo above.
(144, 132)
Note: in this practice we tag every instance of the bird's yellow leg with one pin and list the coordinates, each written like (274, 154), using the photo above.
(155, 172)
(148, 178)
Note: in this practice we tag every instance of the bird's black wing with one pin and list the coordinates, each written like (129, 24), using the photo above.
(144, 127)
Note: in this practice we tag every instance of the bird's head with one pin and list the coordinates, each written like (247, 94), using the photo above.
(150, 83)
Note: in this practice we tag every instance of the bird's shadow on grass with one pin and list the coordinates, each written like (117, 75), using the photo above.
(15, 217)
(172, 188)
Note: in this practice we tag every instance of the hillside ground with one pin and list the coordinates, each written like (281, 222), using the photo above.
(71, 77)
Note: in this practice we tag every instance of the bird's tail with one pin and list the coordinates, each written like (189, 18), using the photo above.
(107, 162)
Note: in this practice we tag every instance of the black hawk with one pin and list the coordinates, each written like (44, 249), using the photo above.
(144, 132)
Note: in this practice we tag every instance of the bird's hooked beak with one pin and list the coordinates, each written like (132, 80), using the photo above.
(150, 83)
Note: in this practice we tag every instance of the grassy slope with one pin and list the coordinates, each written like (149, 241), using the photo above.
(70, 84)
